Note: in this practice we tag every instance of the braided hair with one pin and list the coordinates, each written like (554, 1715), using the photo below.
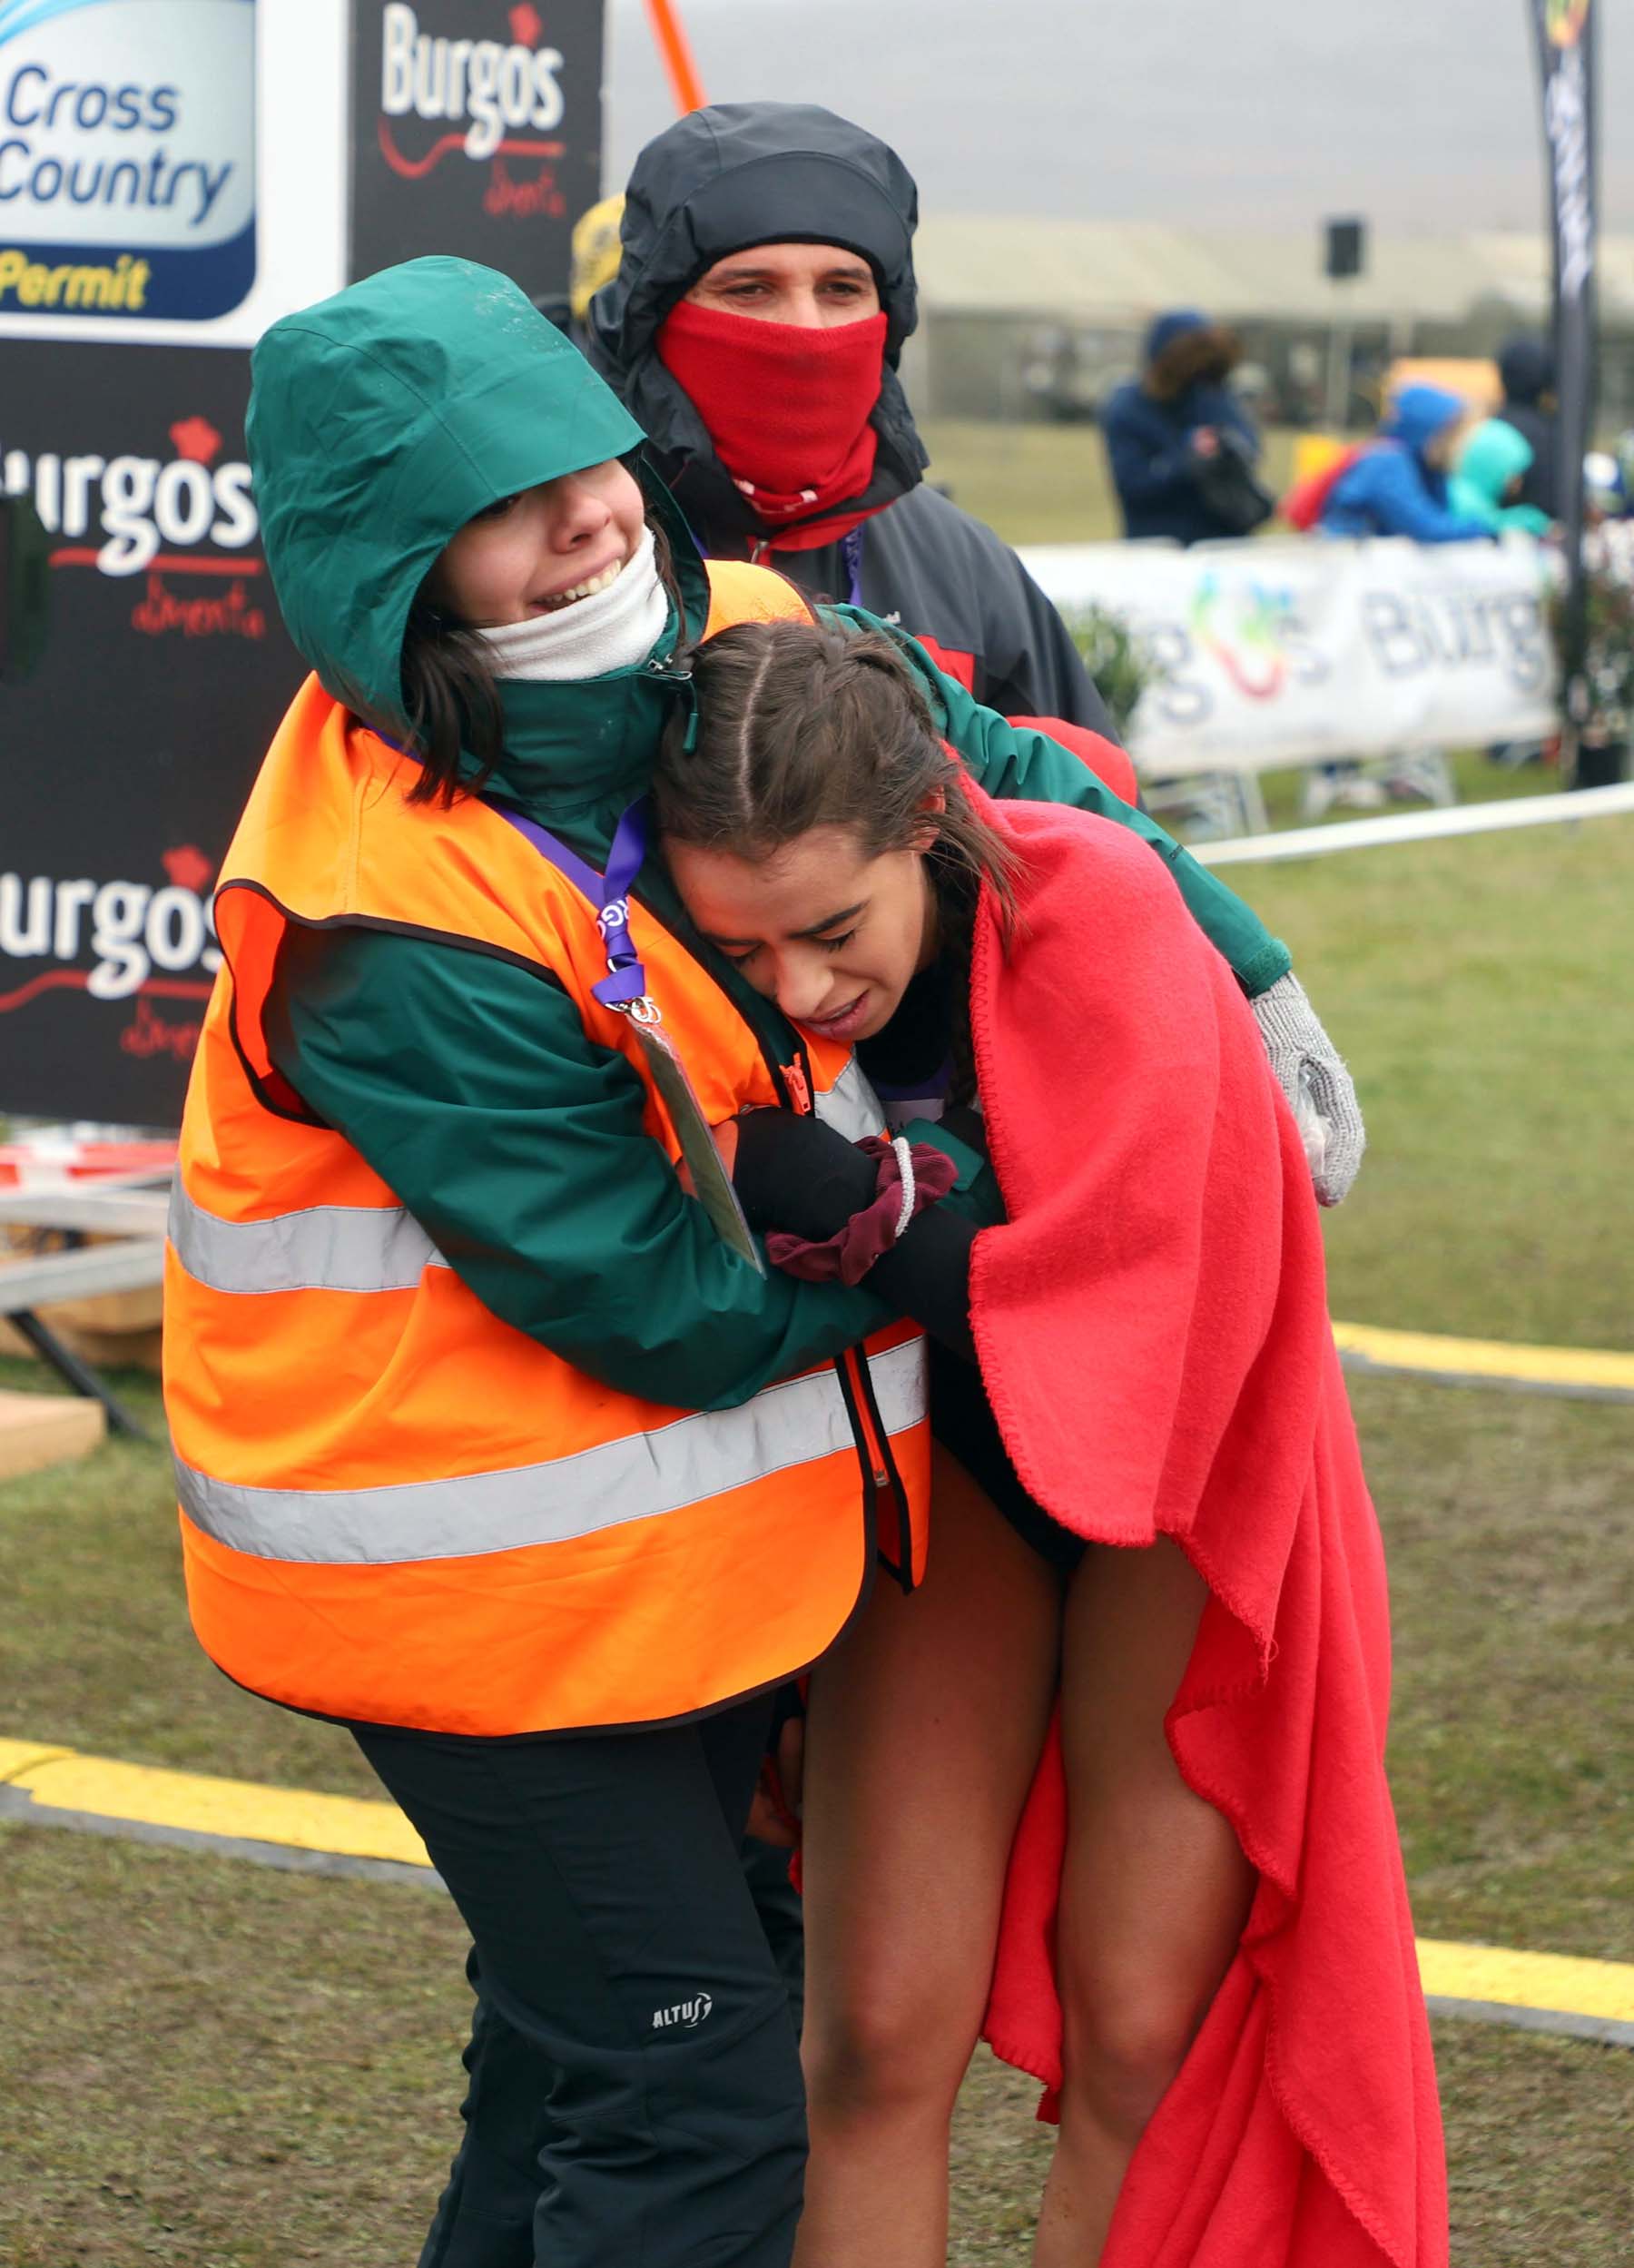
(804, 725)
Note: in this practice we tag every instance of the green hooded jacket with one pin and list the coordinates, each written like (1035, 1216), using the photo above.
(1493, 455)
(382, 421)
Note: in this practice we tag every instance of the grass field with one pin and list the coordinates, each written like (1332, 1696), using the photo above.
(264, 2077)
(1471, 982)
(217, 2067)
(213, 2065)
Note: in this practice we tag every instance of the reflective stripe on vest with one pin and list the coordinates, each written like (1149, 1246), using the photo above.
(850, 1105)
(640, 1476)
(324, 1247)
(399, 1508)
(380, 1247)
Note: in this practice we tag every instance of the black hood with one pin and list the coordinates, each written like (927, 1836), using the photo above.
(1527, 368)
(720, 179)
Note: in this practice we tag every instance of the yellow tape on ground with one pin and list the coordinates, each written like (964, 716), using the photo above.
(1527, 1980)
(1426, 1351)
(18, 1756)
(62, 1780)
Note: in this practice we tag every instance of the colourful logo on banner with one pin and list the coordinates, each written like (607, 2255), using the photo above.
(1564, 22)
(487, 101)
(127, 157)
(1249, 647)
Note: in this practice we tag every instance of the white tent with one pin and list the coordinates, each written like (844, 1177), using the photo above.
(1112, 274)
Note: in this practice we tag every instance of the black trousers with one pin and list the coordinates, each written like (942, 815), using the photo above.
(635, 2097)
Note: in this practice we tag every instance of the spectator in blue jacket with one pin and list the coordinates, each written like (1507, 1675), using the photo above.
(1165, 429)
(1397, 484)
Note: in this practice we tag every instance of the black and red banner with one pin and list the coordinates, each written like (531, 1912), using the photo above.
(130, 747)
(1565, 32)
(476, 130)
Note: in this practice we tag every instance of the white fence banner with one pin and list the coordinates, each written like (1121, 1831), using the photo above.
(1286, 651)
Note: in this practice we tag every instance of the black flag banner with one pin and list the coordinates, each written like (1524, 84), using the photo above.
(1565, 32)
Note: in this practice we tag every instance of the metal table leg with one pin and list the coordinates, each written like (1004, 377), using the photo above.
(76, 1373)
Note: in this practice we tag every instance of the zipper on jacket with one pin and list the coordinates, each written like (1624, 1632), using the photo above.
(879, 1474)
(890, 1480)
(871, 1441)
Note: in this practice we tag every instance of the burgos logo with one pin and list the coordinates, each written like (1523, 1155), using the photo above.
(127, 930)
(488, 89)
(129, 506)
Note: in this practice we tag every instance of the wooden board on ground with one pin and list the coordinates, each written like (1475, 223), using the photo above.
(112, 1329)
(40, 1429)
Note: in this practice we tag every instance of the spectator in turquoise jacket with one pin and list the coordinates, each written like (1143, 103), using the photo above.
(1397, 485)
(1492, 466)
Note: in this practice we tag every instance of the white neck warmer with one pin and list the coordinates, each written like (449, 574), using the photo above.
(616, 629)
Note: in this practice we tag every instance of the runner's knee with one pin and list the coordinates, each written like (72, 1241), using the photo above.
(1124, 2044)
(887, 2050)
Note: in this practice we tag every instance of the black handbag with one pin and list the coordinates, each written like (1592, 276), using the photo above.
(1229, 487)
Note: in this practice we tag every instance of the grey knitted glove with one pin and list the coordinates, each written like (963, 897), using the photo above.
(1318, 1086)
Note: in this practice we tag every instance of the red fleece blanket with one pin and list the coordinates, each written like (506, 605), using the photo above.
(1153, 1331)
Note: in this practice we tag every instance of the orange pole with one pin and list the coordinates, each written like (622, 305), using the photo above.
(684, 83)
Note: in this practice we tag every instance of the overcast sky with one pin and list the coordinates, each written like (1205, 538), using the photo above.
(1231, 113)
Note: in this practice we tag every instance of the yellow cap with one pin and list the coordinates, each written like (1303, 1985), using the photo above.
(595, 253)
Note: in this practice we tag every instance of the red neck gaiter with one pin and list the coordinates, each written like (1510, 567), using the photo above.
(787, 408)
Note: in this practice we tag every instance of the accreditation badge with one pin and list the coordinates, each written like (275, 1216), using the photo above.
(711, 1182)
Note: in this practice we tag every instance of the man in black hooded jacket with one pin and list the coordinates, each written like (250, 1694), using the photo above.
(754, 327)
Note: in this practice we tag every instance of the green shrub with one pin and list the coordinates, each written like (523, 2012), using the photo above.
(1112, 654)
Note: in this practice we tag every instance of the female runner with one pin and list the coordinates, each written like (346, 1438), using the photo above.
(1148, 1507)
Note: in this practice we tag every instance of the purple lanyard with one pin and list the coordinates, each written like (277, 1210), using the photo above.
(625, 985)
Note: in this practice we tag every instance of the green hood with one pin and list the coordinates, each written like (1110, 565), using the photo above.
(380, 421)
(1489, 460)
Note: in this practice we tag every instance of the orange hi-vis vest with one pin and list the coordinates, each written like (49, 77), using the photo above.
(397, 1508)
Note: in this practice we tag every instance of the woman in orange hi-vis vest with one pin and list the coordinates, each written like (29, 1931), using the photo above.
(496, 1440)
(485, 1430)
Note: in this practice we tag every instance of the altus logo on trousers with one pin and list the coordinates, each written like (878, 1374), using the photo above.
(684, 2016)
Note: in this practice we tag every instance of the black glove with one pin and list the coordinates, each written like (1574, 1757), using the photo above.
(797, 1173)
